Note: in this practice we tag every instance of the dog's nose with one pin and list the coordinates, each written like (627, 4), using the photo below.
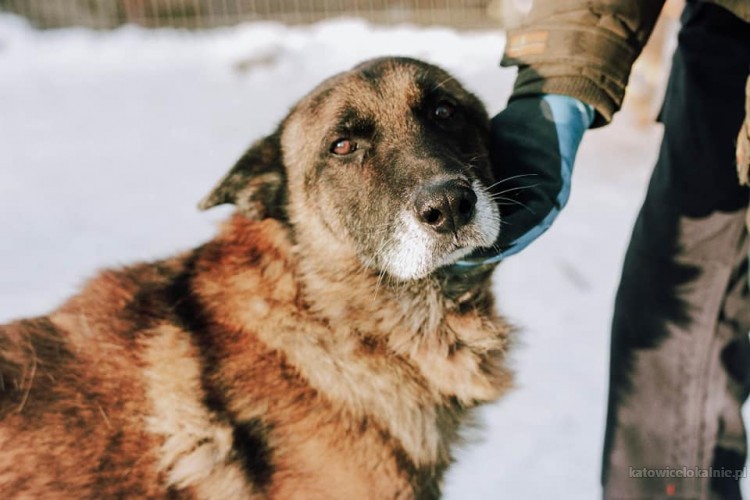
(447, 206)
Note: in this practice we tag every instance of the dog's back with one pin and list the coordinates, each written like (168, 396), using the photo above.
(72, 400)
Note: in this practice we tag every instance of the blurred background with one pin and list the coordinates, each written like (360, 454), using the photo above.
(117, 116)
(196, 14)
(646, 85)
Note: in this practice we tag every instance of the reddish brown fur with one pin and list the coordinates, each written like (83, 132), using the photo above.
(74, 402)
(249, 367)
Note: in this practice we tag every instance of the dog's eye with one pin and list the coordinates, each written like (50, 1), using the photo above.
(444, 110)
(343, 147)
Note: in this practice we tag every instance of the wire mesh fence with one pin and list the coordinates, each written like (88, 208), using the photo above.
(197, 14)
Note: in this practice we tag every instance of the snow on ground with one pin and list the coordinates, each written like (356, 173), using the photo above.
(108, 140)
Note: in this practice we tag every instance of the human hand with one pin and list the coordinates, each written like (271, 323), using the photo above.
(534, 141)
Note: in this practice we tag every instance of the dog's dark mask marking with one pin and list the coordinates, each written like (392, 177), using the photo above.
(387, 153)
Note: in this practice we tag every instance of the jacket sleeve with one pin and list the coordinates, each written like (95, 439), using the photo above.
(580, 48)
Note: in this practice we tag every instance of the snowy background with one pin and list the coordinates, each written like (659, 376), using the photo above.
(109, 139)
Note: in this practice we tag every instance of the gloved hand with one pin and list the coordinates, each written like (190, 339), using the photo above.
(534, 144)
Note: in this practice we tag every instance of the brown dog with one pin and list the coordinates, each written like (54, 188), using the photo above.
(312, 350)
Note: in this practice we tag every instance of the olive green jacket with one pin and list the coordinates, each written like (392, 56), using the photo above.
(585, 48)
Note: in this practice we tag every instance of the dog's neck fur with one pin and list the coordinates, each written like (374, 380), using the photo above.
(409, 367)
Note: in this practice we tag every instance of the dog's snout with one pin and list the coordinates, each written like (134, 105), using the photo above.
(446, 207)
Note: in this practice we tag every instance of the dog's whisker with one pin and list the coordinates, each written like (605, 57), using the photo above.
(510, 179)
(517, 188)
(443, 82)
(511, 201)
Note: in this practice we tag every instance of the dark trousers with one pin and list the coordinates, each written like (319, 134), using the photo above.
(680, 354)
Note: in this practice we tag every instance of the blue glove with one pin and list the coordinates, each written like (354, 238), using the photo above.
(533, 146)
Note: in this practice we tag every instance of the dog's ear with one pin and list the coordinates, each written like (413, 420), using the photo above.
(256, 183)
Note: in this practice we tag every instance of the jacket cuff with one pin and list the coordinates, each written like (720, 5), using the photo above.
(588, 63)
(605, 100)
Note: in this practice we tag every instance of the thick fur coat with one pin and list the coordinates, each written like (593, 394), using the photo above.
(291, 356)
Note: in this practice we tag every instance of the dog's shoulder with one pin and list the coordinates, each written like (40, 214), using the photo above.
(105, 326)
(114, 306)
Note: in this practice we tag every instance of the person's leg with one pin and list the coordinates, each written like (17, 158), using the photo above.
(680, 355)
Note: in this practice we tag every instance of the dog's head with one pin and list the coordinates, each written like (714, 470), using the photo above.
(388, 160)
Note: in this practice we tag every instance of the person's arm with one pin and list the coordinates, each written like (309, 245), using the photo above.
(582, 49)
(574, 59)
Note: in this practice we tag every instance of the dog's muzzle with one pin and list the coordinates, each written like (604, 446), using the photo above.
(447, 206)
(444, 221)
